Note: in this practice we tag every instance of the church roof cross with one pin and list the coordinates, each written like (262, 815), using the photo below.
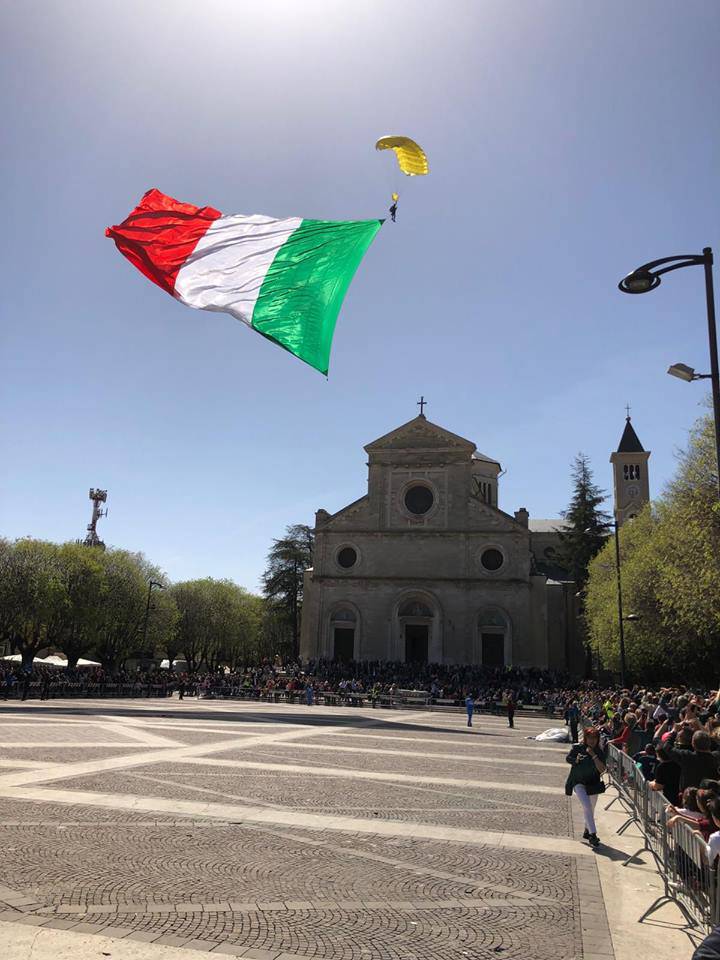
(422, 403)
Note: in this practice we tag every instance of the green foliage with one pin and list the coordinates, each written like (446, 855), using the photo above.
(218, 623)
(670, 562)
(78, 600)
(283, 587)
(32, 595)
(82, 578)
(587, 525)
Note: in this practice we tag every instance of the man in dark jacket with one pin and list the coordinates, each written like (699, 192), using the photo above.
(709, 949)
(697, 764)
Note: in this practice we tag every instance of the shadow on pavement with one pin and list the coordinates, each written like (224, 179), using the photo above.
(108, 708)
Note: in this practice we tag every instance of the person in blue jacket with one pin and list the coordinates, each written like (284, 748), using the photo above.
(470, 707)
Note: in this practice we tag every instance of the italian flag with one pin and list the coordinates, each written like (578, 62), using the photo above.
(284, 278)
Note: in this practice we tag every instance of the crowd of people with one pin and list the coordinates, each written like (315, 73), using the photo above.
(672, 736)
(370, 679)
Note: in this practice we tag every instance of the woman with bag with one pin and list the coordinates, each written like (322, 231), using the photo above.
(587, 761)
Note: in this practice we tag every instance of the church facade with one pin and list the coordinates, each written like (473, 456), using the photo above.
(427, 568)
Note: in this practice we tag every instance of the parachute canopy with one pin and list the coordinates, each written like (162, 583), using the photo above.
(410, 155)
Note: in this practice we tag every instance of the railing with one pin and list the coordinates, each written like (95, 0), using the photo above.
(418, 699)
(688, 879)
(37, 690)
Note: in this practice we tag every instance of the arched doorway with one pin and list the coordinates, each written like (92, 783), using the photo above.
(343, 623)
(416, 622)
(493, 645)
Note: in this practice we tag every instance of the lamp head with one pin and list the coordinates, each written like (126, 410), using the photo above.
(639, 281)
(682, 372)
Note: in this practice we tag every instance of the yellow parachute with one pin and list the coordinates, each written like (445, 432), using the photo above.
(410, 155)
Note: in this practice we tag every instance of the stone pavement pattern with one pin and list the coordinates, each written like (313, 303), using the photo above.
(267, 832)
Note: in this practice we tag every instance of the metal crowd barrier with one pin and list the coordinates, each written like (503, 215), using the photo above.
(688, 878)
(230, 691)
(36, 690)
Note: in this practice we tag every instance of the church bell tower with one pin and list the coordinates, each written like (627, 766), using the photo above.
(631, 487)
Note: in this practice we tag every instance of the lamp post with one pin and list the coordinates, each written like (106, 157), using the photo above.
(646, 278)
(621, 619)
(151, 584)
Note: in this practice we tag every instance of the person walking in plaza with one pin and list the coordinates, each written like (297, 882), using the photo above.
(572, 718)
(470, 707)
(587, 760)
(511, 711)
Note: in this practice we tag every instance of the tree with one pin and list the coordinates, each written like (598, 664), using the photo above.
(670, 577)
(122, 606)
(587, 526)
(283, 579)
(82, 575)
(162, 625)
(192, 598)
(218, 622)
(32, 596)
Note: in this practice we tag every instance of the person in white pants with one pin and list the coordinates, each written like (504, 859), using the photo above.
(587, 760)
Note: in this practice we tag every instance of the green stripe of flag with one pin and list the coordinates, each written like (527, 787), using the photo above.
(304, 288)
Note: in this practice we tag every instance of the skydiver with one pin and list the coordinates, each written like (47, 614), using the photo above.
(393, 210)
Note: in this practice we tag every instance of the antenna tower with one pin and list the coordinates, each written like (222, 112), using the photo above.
(92, 539)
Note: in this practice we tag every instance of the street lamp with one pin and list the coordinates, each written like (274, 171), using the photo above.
(683, 372)
(151, 584)
(621, 618)
(646, 278)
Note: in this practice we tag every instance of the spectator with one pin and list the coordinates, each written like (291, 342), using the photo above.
(666, 776)
(696, 764)
(709, 949)
(646, 761)
(712, 846)
(621, 741)
(689, 811)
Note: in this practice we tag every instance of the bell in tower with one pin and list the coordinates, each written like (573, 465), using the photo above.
(631, 487)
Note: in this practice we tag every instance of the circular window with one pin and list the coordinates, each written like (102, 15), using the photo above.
(347, 557)
(550, 553)
(492, 559)
(419, 499)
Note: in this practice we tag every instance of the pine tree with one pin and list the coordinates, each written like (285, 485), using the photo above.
(283, 579)
(587, 527)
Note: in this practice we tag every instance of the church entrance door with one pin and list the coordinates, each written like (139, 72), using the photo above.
(493, 649)
(343, 644)
(416, 642)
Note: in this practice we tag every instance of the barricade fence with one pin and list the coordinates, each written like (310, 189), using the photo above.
(35, 690)
(680, 854)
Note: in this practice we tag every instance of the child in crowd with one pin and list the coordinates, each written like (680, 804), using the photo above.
(712, 843)
(689, 811)
(647, 761)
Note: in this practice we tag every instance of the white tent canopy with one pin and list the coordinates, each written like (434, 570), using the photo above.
(52, 661)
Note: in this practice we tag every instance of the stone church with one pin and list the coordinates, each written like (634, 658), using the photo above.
(426, 567)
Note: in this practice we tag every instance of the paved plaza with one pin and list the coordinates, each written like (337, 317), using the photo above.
(273, 831)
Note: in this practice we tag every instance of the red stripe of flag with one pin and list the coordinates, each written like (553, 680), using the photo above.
(160, 234)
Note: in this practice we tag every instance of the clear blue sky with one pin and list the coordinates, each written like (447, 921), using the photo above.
(568, 141)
